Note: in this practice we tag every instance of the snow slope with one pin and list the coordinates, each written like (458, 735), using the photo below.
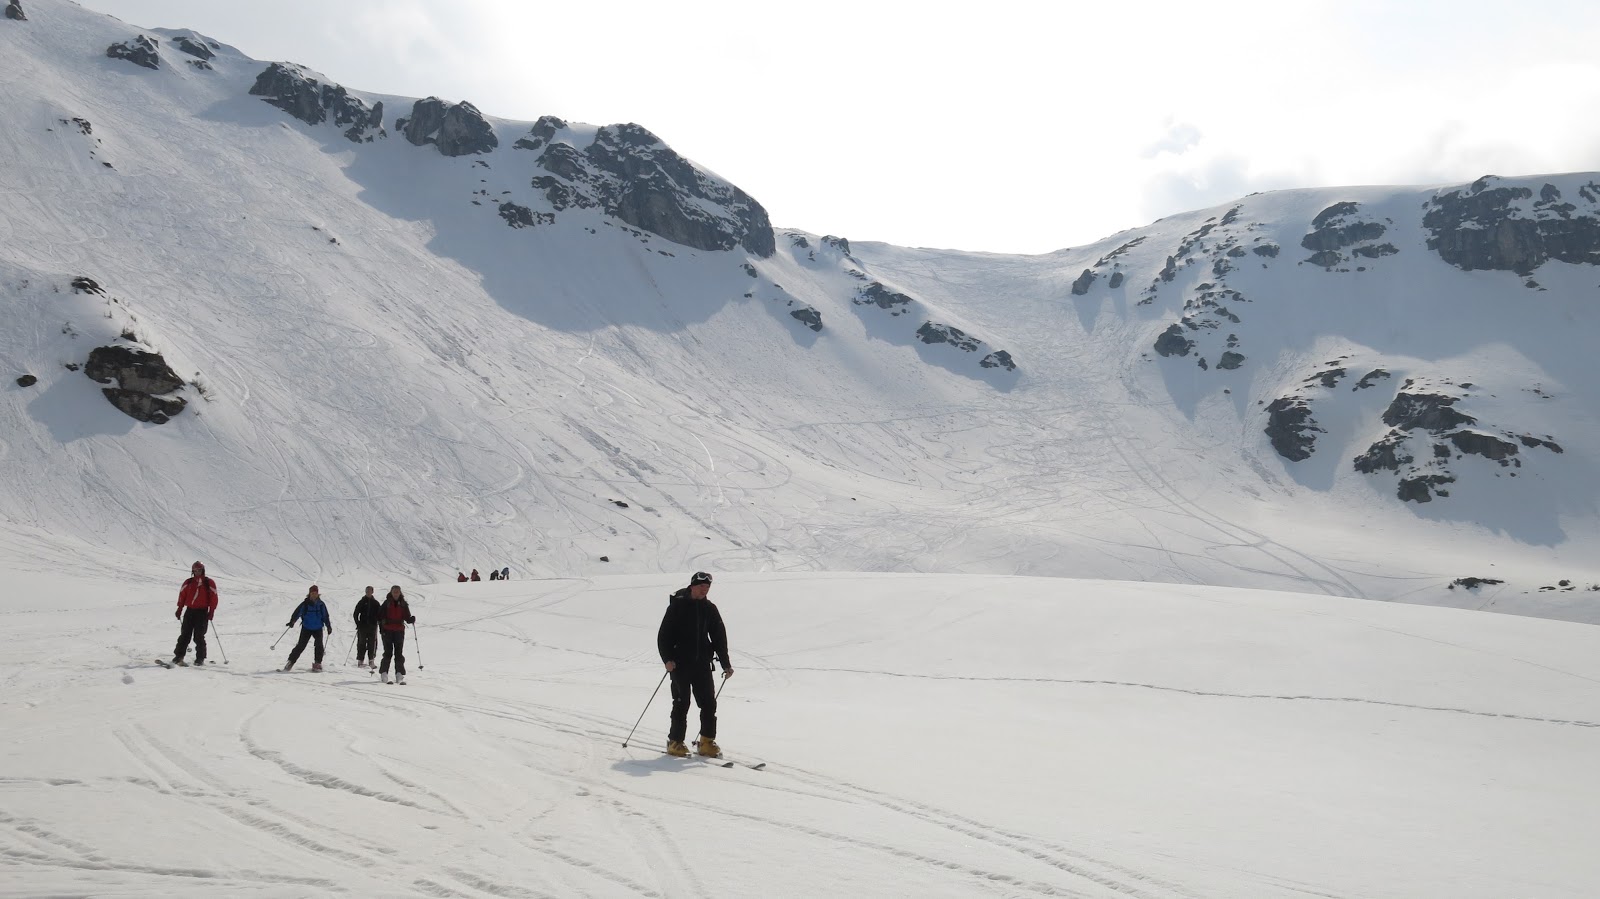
(384, 376)
(927, 735)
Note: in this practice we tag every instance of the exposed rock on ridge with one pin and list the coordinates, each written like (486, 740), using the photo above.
(457, 130)
(291, 89)
(1506, 229)
(140, 50)
(633, 176)
(143, 380)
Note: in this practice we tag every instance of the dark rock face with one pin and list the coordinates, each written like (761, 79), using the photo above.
(1473, 583)
(1230, 361)
(290, 89)
(1387, 454)
(14, 11)
(1291, 428)
(809, 317)
(144, 379)
(542, 133)
(1116, 280)
(1337, 228)
(877, 294)
(932, 332)
(1173, 343)
(522, 217)
(1417, 489)
(457, 130)
(86, 284)
(633, 176)
(838, 243)
(1083, 283)
(1269, 250)
(1486, 445)
(998, 359)
(193, 47)
(1371, 378)
(1430, 422)
(140, 50)
(27, 381)
(1428, 411)
(663, 193)
(1484, 227)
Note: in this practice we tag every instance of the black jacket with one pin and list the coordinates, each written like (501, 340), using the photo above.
(692, 633)
(366, 614)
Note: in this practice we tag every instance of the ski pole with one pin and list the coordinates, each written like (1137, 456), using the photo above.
(646, 709)
(350, 651)
(719, 688)
(220, 648)
(280, 638)
(418, 641)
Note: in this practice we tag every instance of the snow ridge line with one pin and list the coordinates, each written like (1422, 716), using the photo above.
(1568, 722)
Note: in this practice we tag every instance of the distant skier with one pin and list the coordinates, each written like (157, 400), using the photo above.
(197, 605)
(393, 617)
(505, 573)
(312, 613)
(494, 574)
(461, 578)
(691, 636)
(366, 618)
(475, 575)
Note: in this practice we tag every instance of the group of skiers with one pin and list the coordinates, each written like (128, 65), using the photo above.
(197, 607)
(503, 574)
(690, 640)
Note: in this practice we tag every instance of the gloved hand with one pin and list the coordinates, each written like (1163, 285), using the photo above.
(177, 613)
(290, 624)
(330, 630)
(412, 619)
(210, 615)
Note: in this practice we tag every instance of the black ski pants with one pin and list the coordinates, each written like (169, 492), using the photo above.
(366, 643)
(394, 645)
(697, 682)
(306, 635)
(195, 622)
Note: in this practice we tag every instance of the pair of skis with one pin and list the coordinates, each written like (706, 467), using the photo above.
(718, 761)
(168, 665)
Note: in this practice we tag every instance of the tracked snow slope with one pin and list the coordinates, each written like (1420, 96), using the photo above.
(396, 380)
(926, 735)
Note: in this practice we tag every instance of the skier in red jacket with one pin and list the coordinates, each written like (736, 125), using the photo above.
(197, 605)
(393, 616)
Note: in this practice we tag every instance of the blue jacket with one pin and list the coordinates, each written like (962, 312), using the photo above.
(312, 615)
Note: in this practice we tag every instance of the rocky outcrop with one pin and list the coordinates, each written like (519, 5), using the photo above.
(809, 317)
(1291, 428)
(1506, 229)
(140, 50)
(143, 382)
(522, 217)
(293, 90)
(542, 133)
(1424, 422)
(630, 174)
(1172, 342)
(456, 129)
(194, 46)
(877, 294)
(933, 332)
(27, 381)
(1081, 286)
(14, 11)
(998, 359)
(1339, 228)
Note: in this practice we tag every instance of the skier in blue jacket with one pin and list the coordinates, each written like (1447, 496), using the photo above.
(312, 613)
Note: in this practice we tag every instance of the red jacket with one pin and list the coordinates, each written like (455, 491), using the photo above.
(394, 614)
(199, 593)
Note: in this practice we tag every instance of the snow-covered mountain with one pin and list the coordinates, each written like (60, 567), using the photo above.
(305, 330)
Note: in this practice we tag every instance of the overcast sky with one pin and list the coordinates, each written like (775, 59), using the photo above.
(995, 125)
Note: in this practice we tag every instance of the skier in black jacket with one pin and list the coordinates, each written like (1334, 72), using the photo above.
(366, 618)
(691, 636)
